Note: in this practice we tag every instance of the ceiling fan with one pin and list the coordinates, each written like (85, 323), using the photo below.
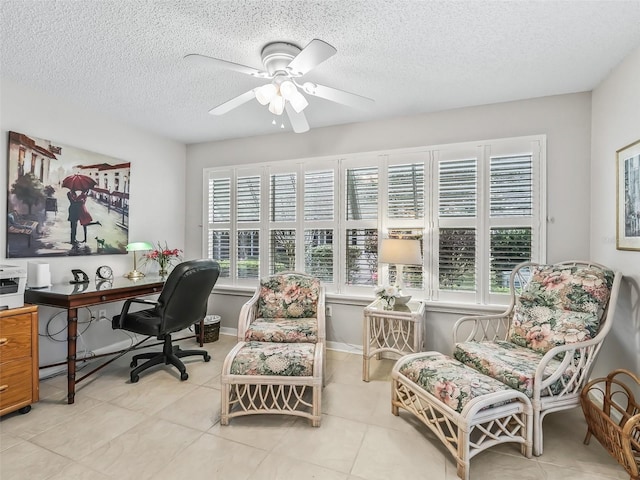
(285, 64)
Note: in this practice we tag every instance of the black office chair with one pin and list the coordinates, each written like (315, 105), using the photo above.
(182, 302)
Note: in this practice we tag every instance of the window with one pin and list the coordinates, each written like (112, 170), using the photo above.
(476, 208)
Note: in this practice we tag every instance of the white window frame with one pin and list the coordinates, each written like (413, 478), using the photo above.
(429, 225)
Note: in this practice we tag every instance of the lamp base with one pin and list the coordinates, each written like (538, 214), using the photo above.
(134, 274)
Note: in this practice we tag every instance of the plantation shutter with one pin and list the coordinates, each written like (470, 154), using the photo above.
(283, 197)
(319, 195)
(457, 188)
(457, 213)
(318, 253)
(362, 193)
(219, 200)
(511, 188)
(509, 247)
(457, 262)
(248, 199)
(361, 256)
(282, 250)
(219, 250)
(511, 199)
(405, 191)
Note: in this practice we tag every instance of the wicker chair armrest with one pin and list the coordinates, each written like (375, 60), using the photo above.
(321, 316)
(483, 327)
(577, 362)
(248, 314)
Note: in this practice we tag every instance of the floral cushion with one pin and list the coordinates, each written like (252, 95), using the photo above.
(285, 359)
(288, 296)
(561, 304)
(511, 364)
(450, 381)
(283, 330)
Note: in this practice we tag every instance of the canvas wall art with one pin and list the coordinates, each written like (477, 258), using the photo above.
(64, 201)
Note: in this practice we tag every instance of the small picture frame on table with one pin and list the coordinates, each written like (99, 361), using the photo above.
(628, 197)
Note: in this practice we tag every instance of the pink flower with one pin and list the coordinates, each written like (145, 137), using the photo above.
(556, 280)
(538, 336)
(448, 392)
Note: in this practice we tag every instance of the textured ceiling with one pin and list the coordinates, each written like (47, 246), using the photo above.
(125, 58)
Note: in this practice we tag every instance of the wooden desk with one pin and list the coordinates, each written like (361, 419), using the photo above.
(73, 296)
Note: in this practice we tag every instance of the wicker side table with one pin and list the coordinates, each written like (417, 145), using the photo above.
(398, 331)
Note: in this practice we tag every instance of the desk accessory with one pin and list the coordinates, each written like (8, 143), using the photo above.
(104, 272)
(103, 284)
(137, 247)
(79, 276)
(38, 275)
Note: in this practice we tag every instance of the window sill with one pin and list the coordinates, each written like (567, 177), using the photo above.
(356, 300)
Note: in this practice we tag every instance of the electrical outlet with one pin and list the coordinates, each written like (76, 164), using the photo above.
(102, 314)
(329, 311)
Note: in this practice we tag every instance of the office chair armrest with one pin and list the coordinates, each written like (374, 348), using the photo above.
(127, 304)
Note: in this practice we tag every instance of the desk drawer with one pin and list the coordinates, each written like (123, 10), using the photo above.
(15, 337)
(15, 383)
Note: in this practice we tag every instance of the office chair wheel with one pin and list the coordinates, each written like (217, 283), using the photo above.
(134, 378)
(184, 376)
(207, 357)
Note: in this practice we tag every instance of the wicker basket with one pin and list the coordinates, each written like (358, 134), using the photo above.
(616, 422)
(211, 328)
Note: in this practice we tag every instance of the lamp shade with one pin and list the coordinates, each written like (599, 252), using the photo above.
(265, 93)
(139, 246)
(400, 251)
(276, 106)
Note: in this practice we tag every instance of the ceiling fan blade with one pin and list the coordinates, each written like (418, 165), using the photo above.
(196, 58)
(298, 120)
(338, 96)
(233, 103)
(310, 57)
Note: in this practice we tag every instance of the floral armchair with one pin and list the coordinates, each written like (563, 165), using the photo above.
(288, 307)
(547, 341)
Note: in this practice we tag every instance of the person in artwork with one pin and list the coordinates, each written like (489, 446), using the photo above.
(78, 213)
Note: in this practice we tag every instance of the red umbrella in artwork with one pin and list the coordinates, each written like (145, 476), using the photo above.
(78, 182)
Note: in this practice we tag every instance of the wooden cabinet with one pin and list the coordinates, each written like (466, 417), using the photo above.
(19, 382)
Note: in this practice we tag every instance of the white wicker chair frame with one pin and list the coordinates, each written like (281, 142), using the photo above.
(271, 394)
(580, 356)
(495, 418)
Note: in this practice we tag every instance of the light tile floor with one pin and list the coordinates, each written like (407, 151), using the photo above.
(163, 428)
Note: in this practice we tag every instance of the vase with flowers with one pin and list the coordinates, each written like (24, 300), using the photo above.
(165, 257)
(388, 294)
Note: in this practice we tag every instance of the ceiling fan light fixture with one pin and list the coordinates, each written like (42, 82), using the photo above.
(288, 89)
(266, 93)
(298, 102)
(276, 106)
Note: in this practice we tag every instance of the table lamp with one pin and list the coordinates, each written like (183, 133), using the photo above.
(400, 252)
(137, 247)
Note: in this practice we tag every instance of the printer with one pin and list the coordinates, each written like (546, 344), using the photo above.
(13, 280)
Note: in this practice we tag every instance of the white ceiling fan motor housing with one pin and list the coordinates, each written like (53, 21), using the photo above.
(277, 56)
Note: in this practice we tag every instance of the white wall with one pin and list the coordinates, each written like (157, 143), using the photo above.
(616, 124)
(565, 119)
(157, 194)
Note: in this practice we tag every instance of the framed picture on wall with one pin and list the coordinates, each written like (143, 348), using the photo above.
(628, 205)
(64, 201)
